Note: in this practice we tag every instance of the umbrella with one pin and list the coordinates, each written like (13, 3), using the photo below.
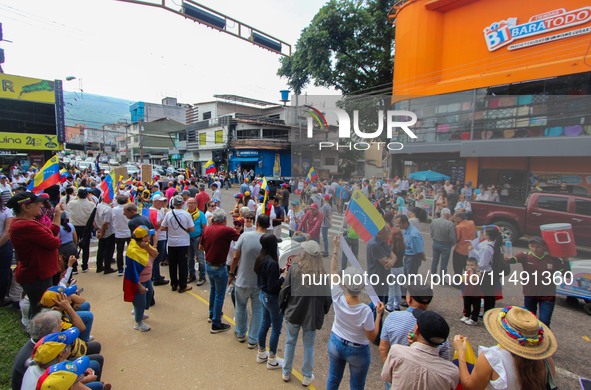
(428, 175)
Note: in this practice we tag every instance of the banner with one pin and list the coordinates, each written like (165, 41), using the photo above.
(28, 141)
(147, 173)
(27, 89)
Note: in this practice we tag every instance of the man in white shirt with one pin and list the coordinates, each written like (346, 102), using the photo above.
(217, 194)
(178, 224)
(159, 201)
(79, 211)
(103, 223)
(121, 230)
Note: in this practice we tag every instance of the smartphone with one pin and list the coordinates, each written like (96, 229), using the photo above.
(80, 291)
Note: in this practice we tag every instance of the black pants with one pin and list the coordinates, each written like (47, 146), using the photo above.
(104, 254)
(459, 263)
(120, 242)
(85, 246)
(472, 307)
(35, 291)
(177, 265)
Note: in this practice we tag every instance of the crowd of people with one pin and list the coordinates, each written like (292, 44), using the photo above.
(185, 227)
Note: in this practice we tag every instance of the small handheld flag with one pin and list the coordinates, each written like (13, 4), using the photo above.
(312, 175)
(47, 176)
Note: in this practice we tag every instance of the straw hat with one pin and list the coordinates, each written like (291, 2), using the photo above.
(519, 331)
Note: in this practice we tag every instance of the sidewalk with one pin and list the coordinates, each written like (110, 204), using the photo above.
(179, 352)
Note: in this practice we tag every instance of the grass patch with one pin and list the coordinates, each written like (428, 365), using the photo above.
(12, 338)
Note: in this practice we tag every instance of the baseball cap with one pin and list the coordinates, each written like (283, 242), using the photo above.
(142, 231)
(177, 200)
(185, 192)
(432, 327)
(246, 193)
(159, 198)
(420, 293)
(63, 375)
(23, 198)
(537, 240)
(311, 247)
(352, 280)
(326, 197)
(313, 206)
(53, 292)
(50, 346)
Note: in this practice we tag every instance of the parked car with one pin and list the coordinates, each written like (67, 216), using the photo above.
(85, 165)
(540, 208)
(131, 169)
(113, 163)
(104, 167)
(104, 159)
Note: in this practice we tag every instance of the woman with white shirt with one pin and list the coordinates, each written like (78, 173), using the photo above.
(463, 204)
(353, 328)
(485, 249)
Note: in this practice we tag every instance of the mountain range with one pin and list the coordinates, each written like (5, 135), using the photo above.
(94, 110)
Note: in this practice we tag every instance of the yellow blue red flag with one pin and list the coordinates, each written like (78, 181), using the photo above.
(363, 217)
(47, 176)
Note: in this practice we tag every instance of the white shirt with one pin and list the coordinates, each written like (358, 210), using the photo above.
(31, 377)
(159, 217)
(272, 215)
(79, 211)
(178, 237)
(120, 222)
(104, 214)
(351, 322)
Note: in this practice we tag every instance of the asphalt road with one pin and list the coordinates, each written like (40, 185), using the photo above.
(570, 324)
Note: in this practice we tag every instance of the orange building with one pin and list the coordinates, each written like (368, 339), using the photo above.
(501, 89)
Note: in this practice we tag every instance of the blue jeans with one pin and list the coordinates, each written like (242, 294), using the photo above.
(84, 306)
(394, 290)
(324, 231)
(546, 308)
(271, 318)
(195, 252)
(161, 248)
(87, 318)
(441, 250)
(141, 302)
(291, 334)
(411, 265)
(339, 354)
(243, 294)
(218, 280)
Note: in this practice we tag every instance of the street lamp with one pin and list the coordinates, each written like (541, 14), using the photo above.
(70, 78)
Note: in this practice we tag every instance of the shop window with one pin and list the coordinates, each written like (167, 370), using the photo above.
(582, 207)
(553, 203)
(275, 133)
(248, 134)
(207, 115)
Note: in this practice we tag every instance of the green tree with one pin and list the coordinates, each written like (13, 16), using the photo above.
(347, 46)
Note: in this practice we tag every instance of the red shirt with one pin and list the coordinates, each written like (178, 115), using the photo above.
(216, 240)
(36, 247)
(202, 198)
(311, 224)
(540, 270)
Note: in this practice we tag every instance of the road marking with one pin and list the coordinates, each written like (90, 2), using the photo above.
(294, 372)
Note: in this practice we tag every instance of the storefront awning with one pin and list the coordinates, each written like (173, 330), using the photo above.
(245, 159)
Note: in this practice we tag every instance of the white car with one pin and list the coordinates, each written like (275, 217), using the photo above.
(104, 167)
(131, 169)
(85, 165)
(113, 163)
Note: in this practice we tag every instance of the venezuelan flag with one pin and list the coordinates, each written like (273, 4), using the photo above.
(63, 175)
(47, 176)
(108, 187)
(145, 211)
(210, 167)
(136, 259)
(312, 175)
(363, 217)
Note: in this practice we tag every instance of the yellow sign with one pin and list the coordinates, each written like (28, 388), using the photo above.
(202, 139)
(26, 141)
(219, 136)
(25, 88)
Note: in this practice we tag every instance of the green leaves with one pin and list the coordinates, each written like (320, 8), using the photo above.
(348, 46)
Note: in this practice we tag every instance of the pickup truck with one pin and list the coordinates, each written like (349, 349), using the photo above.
(540, 208)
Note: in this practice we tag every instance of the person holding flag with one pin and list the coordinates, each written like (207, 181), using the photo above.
(48, 175)
(137, 282)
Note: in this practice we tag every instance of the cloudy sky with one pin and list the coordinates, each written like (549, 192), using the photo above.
(138, 52)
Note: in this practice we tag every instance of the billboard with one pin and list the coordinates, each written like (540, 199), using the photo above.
(26, 141)
(27, 89)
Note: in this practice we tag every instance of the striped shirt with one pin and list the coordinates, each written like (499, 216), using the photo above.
(397, 325)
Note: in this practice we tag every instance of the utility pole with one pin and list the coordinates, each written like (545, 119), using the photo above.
(141, 141)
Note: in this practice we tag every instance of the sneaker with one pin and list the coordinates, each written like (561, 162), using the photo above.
(470, 322)
(110, 271)
(99, 270)
(185, 289)
(120, 272)
(191, 278)
(240, 339)
(274, 363)
(200, 281)
(262, 356)
(389, 309)
(209, 320)
(403, 304)
(174, 288)
(285, 377)
(84, 270)
(464, 318)
(219, 329)
(307, 381)
(141, 326)
(252, 346)
(161, 282)
(90, 338)
(74, 272)
(144, 317)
